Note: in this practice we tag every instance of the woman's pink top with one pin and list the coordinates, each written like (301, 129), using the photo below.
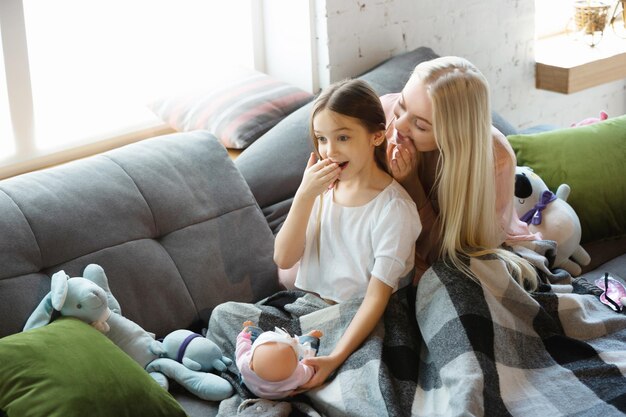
(504, 157)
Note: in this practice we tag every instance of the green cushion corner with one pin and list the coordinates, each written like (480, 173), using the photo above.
(592, 161)
(68, 368)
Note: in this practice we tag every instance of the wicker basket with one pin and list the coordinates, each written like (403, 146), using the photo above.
(591, 16)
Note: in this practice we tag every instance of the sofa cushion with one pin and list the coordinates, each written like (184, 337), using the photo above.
(591, 160)
(237, 110)
(170, 219)
(63, 369)
(274, 164)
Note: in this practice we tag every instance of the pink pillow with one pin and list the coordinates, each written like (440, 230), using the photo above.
(237, 112)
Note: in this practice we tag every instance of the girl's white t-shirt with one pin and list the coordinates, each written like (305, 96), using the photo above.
(373, 240)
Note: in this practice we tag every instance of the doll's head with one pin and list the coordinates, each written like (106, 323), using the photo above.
(274, 356)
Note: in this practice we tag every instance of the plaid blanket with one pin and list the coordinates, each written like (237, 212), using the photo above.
(379, 379)
(488, 349)
(493, 349)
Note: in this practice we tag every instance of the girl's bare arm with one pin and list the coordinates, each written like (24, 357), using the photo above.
(290, 240)
(366, 318)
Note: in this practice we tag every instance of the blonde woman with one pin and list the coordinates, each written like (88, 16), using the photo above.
(458, 169)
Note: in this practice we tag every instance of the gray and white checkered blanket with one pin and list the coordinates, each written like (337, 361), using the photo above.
(488, 349)
(378, 379)
(493, 349)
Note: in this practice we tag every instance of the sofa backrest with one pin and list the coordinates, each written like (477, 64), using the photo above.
(170, 219)
(273, 165)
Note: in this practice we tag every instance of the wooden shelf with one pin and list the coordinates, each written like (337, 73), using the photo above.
(567, 65)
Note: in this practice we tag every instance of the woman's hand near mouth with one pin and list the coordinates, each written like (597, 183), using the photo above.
(402, 157)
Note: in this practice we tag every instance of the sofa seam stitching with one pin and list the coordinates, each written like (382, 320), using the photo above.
(156, 228)
(158, 235)
(30, 226)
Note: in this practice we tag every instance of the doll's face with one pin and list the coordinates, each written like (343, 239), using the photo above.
(274, 361)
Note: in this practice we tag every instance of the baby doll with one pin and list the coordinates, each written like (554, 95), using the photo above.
(270, 362)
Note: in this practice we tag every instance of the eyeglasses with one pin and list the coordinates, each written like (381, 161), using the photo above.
(613, 292)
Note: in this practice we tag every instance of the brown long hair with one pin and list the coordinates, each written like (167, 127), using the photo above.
(357, 99)
(354, 98)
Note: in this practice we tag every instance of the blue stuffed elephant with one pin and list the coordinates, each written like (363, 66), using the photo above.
(90, 299)
(189, 359)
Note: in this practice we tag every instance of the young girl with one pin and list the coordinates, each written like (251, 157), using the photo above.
(351, 226)
(459, 170)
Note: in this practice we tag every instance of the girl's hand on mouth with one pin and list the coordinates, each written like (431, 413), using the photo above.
(318, 177)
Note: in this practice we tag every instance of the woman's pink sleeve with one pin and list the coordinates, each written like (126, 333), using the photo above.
(389, 101)
(505, 162)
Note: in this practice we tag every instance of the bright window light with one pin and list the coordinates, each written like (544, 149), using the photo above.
(7, 144)
(553, 17)
(95, 64)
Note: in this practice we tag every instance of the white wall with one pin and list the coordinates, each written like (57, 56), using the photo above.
(288, 38)
(496, 35)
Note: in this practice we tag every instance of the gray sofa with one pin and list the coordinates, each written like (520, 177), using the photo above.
(178, 227)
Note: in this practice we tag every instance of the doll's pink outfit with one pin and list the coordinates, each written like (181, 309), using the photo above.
(267, 389)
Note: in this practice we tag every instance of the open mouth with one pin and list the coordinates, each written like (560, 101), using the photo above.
(343, 165)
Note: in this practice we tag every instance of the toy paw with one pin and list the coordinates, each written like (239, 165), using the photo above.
(591, 120)
(161, 380)
(204, 385)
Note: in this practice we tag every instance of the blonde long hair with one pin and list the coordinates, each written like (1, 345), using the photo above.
(468, 224)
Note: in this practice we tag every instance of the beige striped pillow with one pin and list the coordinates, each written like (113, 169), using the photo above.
(238, 112)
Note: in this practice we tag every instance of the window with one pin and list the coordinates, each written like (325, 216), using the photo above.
(552, 17)
(7, 145)
(91, 66)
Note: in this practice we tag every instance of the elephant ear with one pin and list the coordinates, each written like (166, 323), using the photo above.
(59, 288)
(53, 300)
(42, 314)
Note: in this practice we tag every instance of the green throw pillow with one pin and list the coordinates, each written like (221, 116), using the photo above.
(592, 161)
(68, 368)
